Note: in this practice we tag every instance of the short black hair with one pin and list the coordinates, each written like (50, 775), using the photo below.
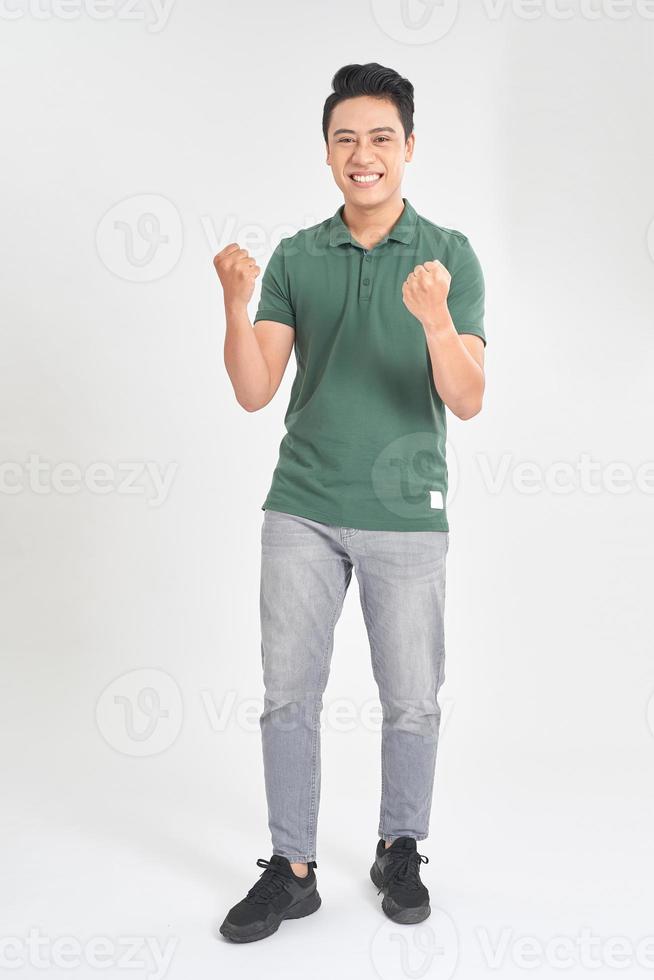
(371, 79)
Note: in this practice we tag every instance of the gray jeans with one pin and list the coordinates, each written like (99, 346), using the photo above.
(306, 567)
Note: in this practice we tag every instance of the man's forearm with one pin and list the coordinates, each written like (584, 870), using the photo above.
(458, 378)
(245, 364)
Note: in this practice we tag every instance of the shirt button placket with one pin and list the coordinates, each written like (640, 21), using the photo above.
(366, 281)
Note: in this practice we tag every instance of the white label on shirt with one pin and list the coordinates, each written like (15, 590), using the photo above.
(436, 499)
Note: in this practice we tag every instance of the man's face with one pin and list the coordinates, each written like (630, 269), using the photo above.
(366, 139)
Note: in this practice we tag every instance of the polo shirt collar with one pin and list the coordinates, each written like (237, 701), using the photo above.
(402, 231)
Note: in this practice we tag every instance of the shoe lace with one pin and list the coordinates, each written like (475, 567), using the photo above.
(271, 882)
(404, 869)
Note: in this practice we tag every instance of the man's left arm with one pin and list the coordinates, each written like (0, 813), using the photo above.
(450, 309)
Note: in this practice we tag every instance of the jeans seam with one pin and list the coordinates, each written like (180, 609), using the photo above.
(311, 829)
(370, 630)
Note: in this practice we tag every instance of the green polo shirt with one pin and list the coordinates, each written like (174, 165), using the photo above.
(365, 427)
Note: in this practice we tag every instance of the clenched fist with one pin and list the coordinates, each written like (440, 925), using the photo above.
(237, 272)
(425, 290)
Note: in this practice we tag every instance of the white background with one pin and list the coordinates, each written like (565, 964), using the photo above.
(534, 137)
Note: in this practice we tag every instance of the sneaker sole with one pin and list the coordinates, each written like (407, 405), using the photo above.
(394, 911)
(241, 934)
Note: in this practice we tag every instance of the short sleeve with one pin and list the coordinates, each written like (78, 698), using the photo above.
(466, 297)
(275, 301)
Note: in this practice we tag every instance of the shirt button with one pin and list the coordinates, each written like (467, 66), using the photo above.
(366, 281)
(367, 258)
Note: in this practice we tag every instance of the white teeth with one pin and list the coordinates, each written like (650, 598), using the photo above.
(369, 179)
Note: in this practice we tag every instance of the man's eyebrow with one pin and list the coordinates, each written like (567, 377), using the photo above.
(377, 129)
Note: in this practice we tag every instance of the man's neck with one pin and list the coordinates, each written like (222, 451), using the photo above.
(369, 225)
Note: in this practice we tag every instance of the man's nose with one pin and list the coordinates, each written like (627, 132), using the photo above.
(363, 155)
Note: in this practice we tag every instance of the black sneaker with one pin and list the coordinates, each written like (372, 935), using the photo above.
(278, 894)
(396, 872)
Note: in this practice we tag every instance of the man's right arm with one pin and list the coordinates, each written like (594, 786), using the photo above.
(255, 357)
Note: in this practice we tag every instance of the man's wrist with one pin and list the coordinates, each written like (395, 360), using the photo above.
(234, 308)
(439, 322)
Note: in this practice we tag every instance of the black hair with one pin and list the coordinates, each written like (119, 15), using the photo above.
(371, 79)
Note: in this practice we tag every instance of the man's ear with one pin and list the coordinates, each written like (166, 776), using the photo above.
(410, 143)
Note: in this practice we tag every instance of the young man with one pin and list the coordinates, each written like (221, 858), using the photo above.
(385, 311)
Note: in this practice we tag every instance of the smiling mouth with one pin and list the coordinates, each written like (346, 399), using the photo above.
(365, 180)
